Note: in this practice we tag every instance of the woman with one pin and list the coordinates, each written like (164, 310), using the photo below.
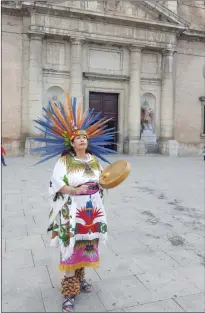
(81, 221)
(77, 216)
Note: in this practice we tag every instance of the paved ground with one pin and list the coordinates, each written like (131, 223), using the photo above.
(154, 261)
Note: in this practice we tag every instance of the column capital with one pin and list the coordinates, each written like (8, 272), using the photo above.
(135, 48)
(169, 52)
(202, 100)
(36, 36)
(76, 40)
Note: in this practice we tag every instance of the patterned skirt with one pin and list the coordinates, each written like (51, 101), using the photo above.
(85, 255)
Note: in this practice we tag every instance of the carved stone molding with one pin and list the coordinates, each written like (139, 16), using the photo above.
(202, 100)
(135, 48)
(76, 40)
(55, 73)
(93, 75)
(36, 36)
(169, 52)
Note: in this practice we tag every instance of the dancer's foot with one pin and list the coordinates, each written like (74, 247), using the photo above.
(68, 304)
(85, 286)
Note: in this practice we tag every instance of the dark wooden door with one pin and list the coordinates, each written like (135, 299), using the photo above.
(107, 103)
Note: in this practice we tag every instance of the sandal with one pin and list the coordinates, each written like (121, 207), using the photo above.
(68, 304)
(85, 286)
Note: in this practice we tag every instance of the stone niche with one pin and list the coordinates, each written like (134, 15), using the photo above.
(55, 94)
(148, 121)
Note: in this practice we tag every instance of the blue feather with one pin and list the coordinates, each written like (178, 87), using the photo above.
(63, 113)
(49, 157)
(53, 112)
(92, 119)
(48, 148)
(74, 102)
(48, 140)
(103, 150)
(96, 117)
(90, 112)
(99, 155)
(45, 131)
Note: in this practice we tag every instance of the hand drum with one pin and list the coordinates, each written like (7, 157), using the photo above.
(114, 174)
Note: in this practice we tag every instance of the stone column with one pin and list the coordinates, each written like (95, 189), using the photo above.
(202, 100)
(167, 98)
(134, 104)
(76, 88)
(35, 81)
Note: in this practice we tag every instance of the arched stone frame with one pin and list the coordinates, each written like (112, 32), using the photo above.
(150, 100)
(56, 94)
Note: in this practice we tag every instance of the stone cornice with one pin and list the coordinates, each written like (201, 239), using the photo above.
(99, 38)
(105, 76)
(25, 7)
(177, 24)
(193, 34)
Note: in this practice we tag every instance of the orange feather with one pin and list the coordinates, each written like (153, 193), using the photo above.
(60, 116)
(96, 126)
(78, 115)
(69, 107)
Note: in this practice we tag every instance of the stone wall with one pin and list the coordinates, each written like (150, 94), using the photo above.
(11, 80)
(190, 84)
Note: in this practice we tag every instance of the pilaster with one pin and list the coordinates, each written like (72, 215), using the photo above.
(76, 68)
(35, 81)
(134, 144)
(167, 97)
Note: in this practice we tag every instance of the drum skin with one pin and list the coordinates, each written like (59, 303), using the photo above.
(114, 174)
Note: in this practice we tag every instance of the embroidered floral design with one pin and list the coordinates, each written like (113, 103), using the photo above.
(65, 234)
(57, 196)
(65, 179)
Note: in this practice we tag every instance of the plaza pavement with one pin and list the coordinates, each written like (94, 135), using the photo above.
(154, 260)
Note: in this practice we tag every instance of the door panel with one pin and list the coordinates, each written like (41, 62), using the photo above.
(108, 105)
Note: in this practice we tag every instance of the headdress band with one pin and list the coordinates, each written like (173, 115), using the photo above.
(78, 133)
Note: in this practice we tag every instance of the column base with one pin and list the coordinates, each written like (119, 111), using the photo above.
(169, 147)
(134, 147)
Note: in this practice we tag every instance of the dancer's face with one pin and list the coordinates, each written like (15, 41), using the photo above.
(80, 143)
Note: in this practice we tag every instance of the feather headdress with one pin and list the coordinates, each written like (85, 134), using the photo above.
(62, 125)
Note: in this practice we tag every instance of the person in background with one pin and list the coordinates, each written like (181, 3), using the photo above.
(204, 153)
(3, 152)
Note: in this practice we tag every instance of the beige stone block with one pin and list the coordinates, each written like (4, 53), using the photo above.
(11, 24)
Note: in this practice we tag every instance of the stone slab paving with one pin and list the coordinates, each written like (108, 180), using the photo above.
(154, 260)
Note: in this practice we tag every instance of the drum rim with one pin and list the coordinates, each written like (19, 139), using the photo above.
(124, 175)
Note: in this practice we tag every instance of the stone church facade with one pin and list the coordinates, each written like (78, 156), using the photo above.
(114, 55)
